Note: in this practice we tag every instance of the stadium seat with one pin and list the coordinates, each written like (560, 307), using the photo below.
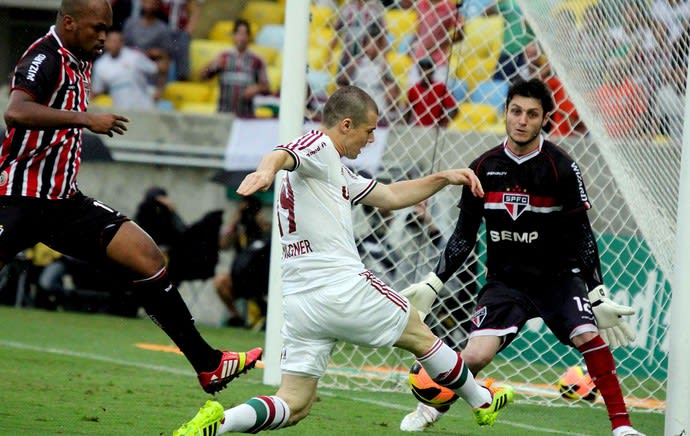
(103, 100)
(321, 37)
(317, 58)
(477, 55)
(180, 93)
(268, 54)
(321, 16)
(201, 52)
(475, 117)
(222, 31)
(493, 92)
(400, 23)
(320, 83)
(458, 88)
(271, 35)
(198, 107)
(400, 63)
(575, 7)
(264, 12)
(274, 76)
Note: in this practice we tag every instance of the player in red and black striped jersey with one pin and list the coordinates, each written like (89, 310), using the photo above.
(542, 257)
(39, 197)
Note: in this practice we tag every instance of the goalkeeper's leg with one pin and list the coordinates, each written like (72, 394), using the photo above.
(602, 369)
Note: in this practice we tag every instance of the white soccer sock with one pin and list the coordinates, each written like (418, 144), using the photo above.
(259, 413)
(446, 368)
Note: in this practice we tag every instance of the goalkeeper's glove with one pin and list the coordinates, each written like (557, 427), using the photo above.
(612, 328)
(423, 294)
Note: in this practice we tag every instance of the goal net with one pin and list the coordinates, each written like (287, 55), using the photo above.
(617, 69)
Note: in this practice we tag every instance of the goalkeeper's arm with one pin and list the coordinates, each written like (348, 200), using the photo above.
(458, 249)
(609, 315)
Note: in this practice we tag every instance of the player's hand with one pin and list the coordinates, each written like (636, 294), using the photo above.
(257, 181)
(107, 123)
(612, 328)
(423, 294)
(465, 176)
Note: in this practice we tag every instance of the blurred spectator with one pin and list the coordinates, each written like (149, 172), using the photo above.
(124, 73)
(564, 120)
(157, 216)
(242, 74)
(440, 25)
(182, 17)
(151, 35)
(370, 70)
(395, 110)
(246, 284)
(431, 102)
(122, 9)
(516, 36)
(622, 102)
(670, 102)
(354, 20)
(672, 13)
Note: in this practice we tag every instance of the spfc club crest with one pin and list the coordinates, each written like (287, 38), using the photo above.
(479, 315)
(515, 204)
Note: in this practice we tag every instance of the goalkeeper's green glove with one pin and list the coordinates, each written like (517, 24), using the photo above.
(423, 294)
(612, 328)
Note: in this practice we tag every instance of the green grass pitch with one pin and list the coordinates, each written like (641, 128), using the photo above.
(82, 374)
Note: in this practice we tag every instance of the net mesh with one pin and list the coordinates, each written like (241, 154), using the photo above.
(617, 69)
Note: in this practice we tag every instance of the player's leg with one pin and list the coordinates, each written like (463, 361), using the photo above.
(569, 317)
(500, 314)
(94, 231)
(287, 407)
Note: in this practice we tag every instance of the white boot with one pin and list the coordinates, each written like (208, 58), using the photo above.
(626, 430)
(422, 417)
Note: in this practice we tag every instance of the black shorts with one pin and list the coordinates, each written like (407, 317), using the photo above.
(80, 226)
(562, 302)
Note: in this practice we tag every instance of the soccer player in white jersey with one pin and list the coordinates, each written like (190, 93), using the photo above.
(328, 295)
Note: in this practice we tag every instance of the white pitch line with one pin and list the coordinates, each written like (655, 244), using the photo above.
(176, 371)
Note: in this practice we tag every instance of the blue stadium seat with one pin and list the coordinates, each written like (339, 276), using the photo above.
(491, 92)
(271, 35)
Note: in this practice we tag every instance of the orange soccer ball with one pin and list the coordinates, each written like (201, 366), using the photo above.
(576, 384)
(428, 391)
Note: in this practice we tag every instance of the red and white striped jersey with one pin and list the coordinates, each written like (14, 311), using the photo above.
(43, 163)
(315, 215)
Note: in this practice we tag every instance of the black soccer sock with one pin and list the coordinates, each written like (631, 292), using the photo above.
(165, 306)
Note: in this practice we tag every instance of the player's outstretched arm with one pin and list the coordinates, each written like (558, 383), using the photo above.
(23, 111)
(410, 192)
(262, 178)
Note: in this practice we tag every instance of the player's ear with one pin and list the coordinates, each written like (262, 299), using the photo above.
(346, 124)
(69, 23)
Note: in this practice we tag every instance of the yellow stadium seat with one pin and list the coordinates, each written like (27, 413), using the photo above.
(222, 31)
(321, 16)
(400, 63)
(321, 37)
(180, 93)
(268, 54)
(475, 58)
(198, 107)
(401, 23)
(264, 12)
(575, 7)
(274, 75)
(103, 100)
(263, 112)
(201, 52)
(476, 117)
(317, 58)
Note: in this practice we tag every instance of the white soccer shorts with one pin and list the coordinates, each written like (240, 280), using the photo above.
(362, 311)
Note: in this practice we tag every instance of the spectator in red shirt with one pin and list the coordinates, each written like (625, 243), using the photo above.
(431, 102)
